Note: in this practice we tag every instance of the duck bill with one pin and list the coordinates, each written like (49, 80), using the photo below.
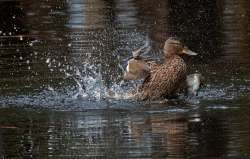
(188, 52)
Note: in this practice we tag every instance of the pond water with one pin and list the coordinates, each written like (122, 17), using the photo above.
(60, 59)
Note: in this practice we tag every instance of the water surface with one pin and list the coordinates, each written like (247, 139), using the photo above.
(60, 59)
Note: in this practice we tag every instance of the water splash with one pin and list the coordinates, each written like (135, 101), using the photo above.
(93, 87)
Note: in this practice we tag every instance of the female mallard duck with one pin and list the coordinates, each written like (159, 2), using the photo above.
(165, 79)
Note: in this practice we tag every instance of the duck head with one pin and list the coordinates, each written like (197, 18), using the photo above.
(173, 46)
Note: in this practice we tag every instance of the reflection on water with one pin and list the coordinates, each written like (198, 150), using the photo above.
(236, 30)
(68, 55)
(122, 134)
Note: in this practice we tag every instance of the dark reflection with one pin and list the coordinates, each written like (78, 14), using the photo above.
(119, 134)
(29, 61)
(13, 28)
(209, 136)
(15, 53)
(198, 24)
(23, 135)
(165, 135)
(153, 18)
(1, 145)
(12, 19)
(236, 30)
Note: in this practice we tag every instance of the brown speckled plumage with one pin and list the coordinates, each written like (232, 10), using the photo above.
(165, 79)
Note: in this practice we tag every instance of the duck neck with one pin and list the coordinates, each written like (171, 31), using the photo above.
(168, 58)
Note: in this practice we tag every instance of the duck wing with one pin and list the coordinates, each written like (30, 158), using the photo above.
(136, 69)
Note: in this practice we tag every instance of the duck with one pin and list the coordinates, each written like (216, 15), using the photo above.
(164, 80)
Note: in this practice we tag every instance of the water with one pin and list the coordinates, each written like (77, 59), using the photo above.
(61, 93)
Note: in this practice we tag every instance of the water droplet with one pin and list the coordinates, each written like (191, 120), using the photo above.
(10, 33)
(48, 60)
(28, 61)
(50, 88)
(67, 74)
(21, 38)
(69, 45)
(28, 67)
(20, 57)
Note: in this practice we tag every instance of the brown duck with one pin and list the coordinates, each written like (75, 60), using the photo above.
(165, 79)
